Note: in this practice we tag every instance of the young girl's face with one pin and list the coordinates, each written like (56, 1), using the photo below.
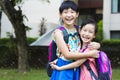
(87, 33)
(69, 16)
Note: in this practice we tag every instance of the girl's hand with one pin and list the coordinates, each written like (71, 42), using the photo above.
(94, 45)
(94, 53)
(55, 66)
(53, 62)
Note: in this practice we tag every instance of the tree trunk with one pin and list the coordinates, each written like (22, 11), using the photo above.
(16, 19)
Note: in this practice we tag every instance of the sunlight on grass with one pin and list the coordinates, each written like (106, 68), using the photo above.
(36, 74)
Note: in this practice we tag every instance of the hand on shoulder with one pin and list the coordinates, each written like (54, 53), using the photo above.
(94, 53)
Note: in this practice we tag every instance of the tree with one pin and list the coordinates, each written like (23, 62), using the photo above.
(16, 18)
(0, 20)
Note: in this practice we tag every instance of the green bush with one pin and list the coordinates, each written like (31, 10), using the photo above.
(112, 48)
(30, 40)
(99, 36)
(9, 53)
(37, 55)
(4, 41)
(111, 42)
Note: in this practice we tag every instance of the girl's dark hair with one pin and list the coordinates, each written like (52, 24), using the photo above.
(68, 4)
(88, 21)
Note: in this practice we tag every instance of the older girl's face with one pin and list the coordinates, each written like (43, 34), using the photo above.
(87, 33)
(69, 16)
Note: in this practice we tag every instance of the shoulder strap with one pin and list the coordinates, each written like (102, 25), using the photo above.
(90, 70)
(88, 66)
(97, 65)
(77, 27)
(65, 33)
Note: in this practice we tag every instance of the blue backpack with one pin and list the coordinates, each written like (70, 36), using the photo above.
(52, 49)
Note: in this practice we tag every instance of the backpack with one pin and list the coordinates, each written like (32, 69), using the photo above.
(103, 66)
(52, 49)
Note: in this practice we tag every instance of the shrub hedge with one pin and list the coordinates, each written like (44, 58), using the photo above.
(112, 48)
(8, 52)
(37, 55)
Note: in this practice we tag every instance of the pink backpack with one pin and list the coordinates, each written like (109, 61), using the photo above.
(104, 67)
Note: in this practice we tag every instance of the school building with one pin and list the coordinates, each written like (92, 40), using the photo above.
(108, 10)
(111, 19)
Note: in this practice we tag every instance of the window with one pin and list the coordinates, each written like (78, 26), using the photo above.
(115, 6)
(115, 34)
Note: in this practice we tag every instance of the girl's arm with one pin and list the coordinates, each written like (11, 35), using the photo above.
(69, 66)
(71, 55)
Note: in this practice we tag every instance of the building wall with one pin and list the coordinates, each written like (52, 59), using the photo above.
(90, 9)
(110, 20)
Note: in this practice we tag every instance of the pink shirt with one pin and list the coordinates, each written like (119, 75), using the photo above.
(85, 74)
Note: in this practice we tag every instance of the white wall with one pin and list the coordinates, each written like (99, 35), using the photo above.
(106, 18)
(115, 21)
(111, 22)
(34, 11)
(5, 26)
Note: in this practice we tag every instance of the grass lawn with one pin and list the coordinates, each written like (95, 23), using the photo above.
(36, 74)
(13, 74)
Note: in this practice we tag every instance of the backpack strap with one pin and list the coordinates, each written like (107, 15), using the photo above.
(65, 33)
(88, 66)
(90, 70)
(97, 66)
(77, 28)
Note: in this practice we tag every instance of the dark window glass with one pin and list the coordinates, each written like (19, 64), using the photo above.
(115, 35)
